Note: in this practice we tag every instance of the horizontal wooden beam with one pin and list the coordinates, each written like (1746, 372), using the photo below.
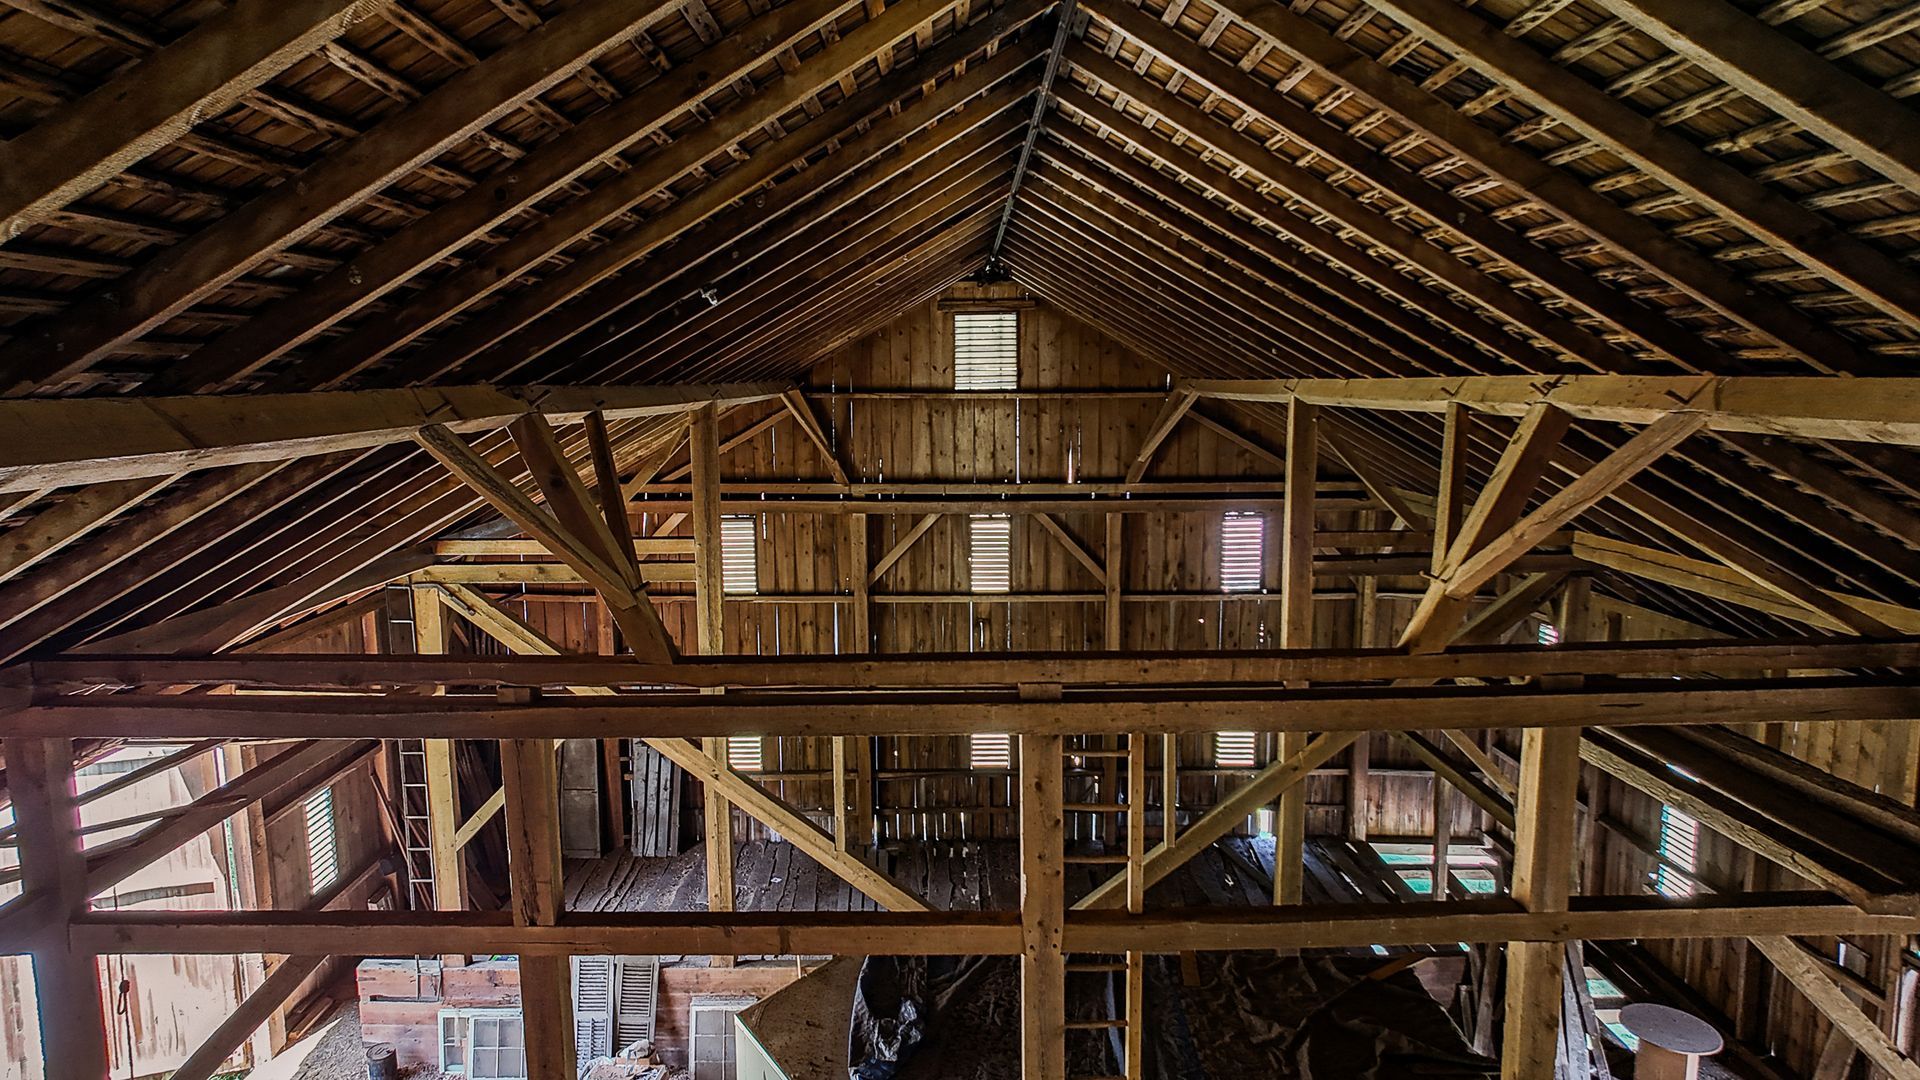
(987, 932)
(1140, 670)
(1721, 656)
(55, 442)
(670, 714)
(1809, 407)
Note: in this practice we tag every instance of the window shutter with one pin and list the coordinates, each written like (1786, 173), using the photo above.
(593, 1007)
(990, 751)
(739, 569)
(636, 980)
(1243, 535)
(1233, 749)
(990, 553)
(323, 854)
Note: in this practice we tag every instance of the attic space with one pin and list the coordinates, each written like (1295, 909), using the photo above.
(959, 539)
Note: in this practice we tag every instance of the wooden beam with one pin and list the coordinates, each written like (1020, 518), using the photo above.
(530, 776)
(266, 999)
(1170, 415)
(66, 977)
(1515, 476)
(1450, 503)
(589, 532)
(1113, 579)
(57, 442)
(1296, 632)
(1731, 586)
(88, 142)
(1611, 224)
(1808, 407)
(443, 783)
(1043, 961)
(809, 424)
(1665, 154)
(1629, 703)
(1462, 579)
(187, 272)
(1818, 987)
(1073, 545)
(1542, 881)
(901, 547)
(1787, 78)
(703, 448)
(1141, 670)
(48, 532)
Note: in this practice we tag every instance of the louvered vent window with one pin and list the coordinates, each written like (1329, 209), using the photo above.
(1233, 749)
(739, 559)
(989, 553)
(986, 351)
(1243, 536)
(746, 753)
(1679, 841)
(990, 751)
(323, 854)
(1549, 634)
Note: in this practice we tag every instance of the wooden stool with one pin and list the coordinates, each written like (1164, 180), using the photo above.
(1671, 1042)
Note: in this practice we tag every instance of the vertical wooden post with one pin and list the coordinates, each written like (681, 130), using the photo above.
(1136, 988)
(709, 610)
(1169, 787)
(1296, 632)
(53, 869)
(860, 640)
(531, 777)
(1043, 964)
(1442, 837)
(1545, 821)
(1116, 569)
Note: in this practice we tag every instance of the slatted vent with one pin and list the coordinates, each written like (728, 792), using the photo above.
(989, 553)
(739, 558)
(746, 753)
(1233, 749)
(990, 751)
(986, 351)
(1243, 539)
(323, 853)
(636, 981)
(1549, 634)
(1679, 842)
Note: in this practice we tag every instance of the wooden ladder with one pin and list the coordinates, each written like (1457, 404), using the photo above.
(1124, 806)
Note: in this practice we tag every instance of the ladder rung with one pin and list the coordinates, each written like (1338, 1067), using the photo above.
(1094, 1025)
(1072, 968)
(1094, 807)
(1101, 860)
(1096, 753)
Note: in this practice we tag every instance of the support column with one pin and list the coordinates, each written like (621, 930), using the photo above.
(1043, 964)
(709, 610)
(1545, 824)
(1296, 632)
(53, 873)
(858, 749)
(531, 777)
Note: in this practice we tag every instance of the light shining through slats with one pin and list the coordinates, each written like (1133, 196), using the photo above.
(747, 753)
(1233, 749)
(739, 561)
(1679, 843)
(1243, 536)
(323, 853)
(990, 553)
(990, 751)
(986, 350)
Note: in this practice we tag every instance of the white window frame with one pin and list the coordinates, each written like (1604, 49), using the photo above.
(323, 839)
(463, 1020)
(1242, 570)
(986, 350)
(990, 571)
(739, 554)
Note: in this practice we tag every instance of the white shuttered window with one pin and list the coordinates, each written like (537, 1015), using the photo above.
(739, 557)
(986, 350)
(990, 553)
(1243, 538)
